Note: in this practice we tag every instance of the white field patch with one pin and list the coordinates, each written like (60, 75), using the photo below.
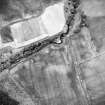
(54, 19)
(51, 22)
